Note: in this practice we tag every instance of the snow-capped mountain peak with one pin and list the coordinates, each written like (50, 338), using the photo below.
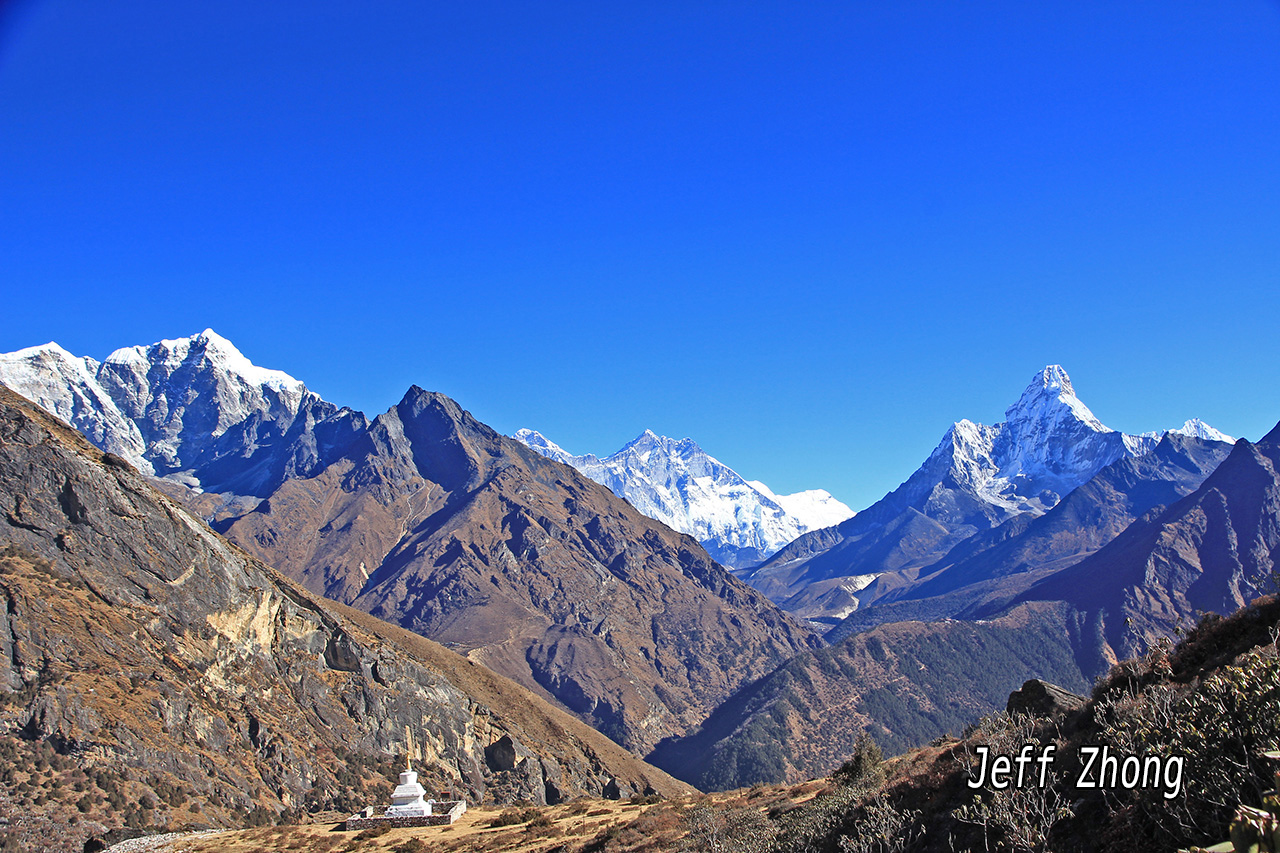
(204, 379)
(678, 483)
(219, 353)
(539, 442)
(1195, 428)
(1050, 400)
(165, 406)
(1049, 443)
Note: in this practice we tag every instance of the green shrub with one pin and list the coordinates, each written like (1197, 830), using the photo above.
(865, 766)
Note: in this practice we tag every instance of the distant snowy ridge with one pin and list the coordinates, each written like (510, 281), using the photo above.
(815, 508)
(676, 482)
(160, 406)
(1195, 428)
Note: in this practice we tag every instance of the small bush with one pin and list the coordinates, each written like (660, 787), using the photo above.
(865, 767)
(413, 845)
(514, 817)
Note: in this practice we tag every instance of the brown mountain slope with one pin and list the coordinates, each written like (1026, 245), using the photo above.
(436, 522)
(178, 670)
(904, 683)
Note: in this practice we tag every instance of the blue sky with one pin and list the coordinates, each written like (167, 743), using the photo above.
(809, 235)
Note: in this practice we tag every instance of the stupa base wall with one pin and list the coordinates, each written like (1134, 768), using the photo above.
(443, 814)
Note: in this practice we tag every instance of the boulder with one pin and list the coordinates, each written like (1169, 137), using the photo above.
(1042, 699)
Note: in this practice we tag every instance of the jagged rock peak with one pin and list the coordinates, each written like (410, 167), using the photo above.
(648, 441)
(420, 398)
(214, 349)
(1051, 398)
(185, 408)
(1054, 378)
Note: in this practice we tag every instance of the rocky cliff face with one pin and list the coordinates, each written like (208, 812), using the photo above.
(436, 522)
(140, 643)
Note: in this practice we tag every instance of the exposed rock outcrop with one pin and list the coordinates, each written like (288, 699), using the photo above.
(1042, 699)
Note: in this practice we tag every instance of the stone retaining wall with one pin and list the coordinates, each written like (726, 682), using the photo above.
(442, 814)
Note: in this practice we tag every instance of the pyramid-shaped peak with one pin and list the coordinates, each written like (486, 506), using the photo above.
(1053, 381)
(418, 398)
(648, 438)
(1049, 398)
(1197, 428)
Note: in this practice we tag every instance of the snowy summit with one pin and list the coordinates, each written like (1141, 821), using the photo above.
(675, 481)
(161, 406)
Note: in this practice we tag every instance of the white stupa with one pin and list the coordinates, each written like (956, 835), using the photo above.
(407, 799)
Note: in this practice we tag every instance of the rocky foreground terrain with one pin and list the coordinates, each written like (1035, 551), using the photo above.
(1204, 709)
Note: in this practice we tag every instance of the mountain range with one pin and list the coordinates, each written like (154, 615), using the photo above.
(192, 410)
(977, 479)
(1046, 546)
(431, 520)
(1063, 597)
(739, 522)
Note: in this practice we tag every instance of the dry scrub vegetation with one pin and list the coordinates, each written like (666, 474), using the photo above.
(638, 825)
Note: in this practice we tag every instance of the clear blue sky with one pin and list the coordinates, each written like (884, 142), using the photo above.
(809, 235)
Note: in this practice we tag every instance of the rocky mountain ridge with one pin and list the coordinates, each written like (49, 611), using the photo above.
(434, 521)
(193, 410)
(739, 522)
(1213, 551)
